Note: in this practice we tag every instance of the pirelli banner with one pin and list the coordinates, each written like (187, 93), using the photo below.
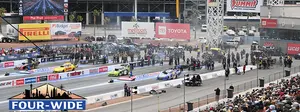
(34, 32)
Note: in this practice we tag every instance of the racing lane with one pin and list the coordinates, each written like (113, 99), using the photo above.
(88, 81)
(174, 96)
(81, 83)
(54, 64)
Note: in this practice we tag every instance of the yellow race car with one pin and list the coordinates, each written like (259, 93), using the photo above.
(65, 68)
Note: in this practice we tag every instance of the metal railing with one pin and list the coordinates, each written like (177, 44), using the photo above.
(204, 100)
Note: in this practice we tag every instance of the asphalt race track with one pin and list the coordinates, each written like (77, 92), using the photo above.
(51, 64)
(174, 96)
(81, 87)
(95, 85)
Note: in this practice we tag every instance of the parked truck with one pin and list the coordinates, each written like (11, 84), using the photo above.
(7, 39)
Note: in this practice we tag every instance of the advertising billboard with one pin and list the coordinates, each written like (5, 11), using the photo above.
(212, 3)
(65, 30)
(269, 23)
(37, 9)
(244, 5)
(35, 31)
(172, 30)
(138, 29)
(293, 48)
(11, 31)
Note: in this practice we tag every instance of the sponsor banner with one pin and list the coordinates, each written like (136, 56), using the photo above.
(6, 83)
(94, 71)
(41, 78)
(147, 76)
(268, 44)
(244, 5)
(19, 57)
(35, 31)
(8, 64)
(138, 29)
(212, 3)
(42, 70)
(30, 80)
(173, 31)
(269, 23)
(86, 72)
(10, 31)
(52, 77)
(20, 7)
(103, 69)
(65, 30)
(19, 82)
(76, 73)
(293, 48)
(63, 75)
(30, 18)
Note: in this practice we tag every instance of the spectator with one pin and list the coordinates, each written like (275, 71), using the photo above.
(125, 90)
(281, 97)
(217, 94)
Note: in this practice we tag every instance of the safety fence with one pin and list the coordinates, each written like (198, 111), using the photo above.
(206, 99)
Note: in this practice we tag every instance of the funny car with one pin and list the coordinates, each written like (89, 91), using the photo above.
(169, 74)
(26, 66)
(66, 67)
(123, 70)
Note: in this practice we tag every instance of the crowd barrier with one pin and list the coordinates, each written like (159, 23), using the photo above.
(59, 76)
(19, 56)
(11, 64)
(160, 85)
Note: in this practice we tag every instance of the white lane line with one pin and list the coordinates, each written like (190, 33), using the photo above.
(93, 109)
(6, 101)
(84, 87)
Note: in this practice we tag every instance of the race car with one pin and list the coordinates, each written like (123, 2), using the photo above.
(169, 74)
(123, 70)
(25, 66)
(66, 67)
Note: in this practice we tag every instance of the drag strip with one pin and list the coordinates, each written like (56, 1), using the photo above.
(16, 76)
(94, 85)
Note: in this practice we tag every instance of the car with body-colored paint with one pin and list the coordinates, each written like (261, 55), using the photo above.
(66, 67)
(26, 66)
(120, 71)
(169, 74)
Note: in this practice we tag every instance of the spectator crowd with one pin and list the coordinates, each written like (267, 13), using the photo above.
(281, 97)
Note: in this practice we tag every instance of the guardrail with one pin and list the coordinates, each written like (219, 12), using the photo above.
(60, 76)
(157, 86)
(11, 64)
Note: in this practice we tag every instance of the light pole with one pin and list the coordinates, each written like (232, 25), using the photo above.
(225, 86)
(135, 10)
(158, 103)
(195, 36)
(184, 91)
(236, 20)
(131, 95)
(131, 102)
(257, 74)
